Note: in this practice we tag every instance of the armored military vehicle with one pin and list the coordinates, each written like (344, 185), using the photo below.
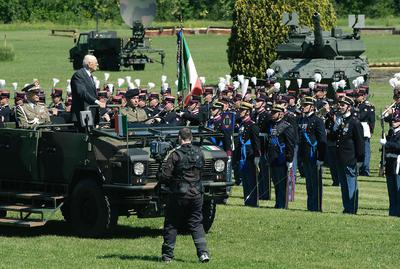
(111, 51)
(334, 55)
(97, 176)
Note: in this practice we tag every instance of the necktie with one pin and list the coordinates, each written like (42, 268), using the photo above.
(92, 79)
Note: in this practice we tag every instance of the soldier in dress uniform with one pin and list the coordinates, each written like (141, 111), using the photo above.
(312, 148)
(248, 144)
(280, 151)
(154, 107)
(168, 114)
(132, 110)
(205, 108)
(5, 110)
(32, 113)
(57, 104)
(349, 152)
(392, 149)
(191, 114)
(261, 117)
(366, 115)
(215, 123)
(142, 101)
(331, 143)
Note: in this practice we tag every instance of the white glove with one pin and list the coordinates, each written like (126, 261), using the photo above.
(256, 161)
(382, 141)
(35, 121)
(320, 163)
(181, 114)
(289, 165)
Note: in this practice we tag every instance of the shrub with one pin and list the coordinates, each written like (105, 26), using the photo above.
(7, 54)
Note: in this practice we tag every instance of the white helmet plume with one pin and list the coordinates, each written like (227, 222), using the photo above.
(202, 80)
(222, 80)
(176, 83)
(106, 76)
(120, 81)
(270, 72)
(360, 80)
(163, 79)
(15, 85)
(151, 85)
(342, 84)
(137, 82)
(397, 75)
(221, 86)
(110, 87)
(55, 82)
(2, 83)
(236, 85)
(240, 78)
(317, 77)
(335, 86)
(128, 79)
(254, 80)
(393, 82)
(245, 86)
(311, 85)
(299, 82)
(277, 87)
(287, 84)
(228, 79)
(69, 86)
(355, 83)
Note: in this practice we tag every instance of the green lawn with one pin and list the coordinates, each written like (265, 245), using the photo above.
(241, 237)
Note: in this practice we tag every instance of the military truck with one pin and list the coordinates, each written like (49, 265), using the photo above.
(97, 176)
(335, 55)
(113, 52)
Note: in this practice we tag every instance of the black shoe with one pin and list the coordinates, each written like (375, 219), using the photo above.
(204, 258)
(166, 259)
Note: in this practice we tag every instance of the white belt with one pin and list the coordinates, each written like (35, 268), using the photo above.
(392, 155)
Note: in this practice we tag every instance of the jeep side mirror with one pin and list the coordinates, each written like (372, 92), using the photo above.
(86, 118)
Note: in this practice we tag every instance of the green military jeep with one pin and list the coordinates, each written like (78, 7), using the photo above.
(95, 177)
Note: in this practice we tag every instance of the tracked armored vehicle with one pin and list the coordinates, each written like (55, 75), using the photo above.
(97, 176)
(335, 55)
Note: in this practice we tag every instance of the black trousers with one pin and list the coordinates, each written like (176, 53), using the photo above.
(186, 213)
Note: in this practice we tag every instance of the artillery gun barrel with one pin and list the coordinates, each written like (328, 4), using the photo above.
(319, 42)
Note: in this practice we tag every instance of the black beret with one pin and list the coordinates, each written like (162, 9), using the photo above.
(132, 93)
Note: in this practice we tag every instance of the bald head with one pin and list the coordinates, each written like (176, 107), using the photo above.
(90, 62)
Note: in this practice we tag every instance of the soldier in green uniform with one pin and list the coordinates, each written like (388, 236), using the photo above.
(132, 110)
(32, 113)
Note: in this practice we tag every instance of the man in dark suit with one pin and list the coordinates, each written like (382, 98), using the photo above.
(84, 90)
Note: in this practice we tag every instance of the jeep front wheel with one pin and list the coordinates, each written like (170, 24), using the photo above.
(209, 209)
(91, 214)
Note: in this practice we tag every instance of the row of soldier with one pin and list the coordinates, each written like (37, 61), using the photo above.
(274, 134)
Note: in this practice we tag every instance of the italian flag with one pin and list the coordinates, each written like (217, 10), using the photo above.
(187, 73)
(121, 124)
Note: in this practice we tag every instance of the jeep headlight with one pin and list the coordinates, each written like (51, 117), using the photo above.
(219, 166)
(138, 169)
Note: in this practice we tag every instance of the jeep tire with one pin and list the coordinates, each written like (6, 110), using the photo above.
(209, 209)
(91, 214)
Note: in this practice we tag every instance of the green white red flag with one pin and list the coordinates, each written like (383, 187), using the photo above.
(188, 79)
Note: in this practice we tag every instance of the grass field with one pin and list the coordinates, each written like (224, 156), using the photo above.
(241, 237)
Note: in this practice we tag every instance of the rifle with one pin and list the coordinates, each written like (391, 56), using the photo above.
(383, 161)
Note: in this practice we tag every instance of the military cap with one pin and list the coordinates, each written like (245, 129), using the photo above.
(169, 99)
(102, 94)
(143, 91)
(132, 93)
(292, 93)
(364, 87)
(262, 98)
(218, 105)
(4, 94)
(246, 106)
(166, 90)
(208, 90)
(31, 87)
(305, 91)
(321, 87)
(346, 100)
(56, 93)
(195, 99)
(308, 100)
(143, 96)
(20, 95)
(116, 99)
(42, 97)
(154, 96)
(278, 108)
(281, 99)
(224, 100)
(121, 92)
(361, 92)
(238, 97)
(396, 94)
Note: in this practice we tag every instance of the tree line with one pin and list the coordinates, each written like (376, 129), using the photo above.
(80, 11)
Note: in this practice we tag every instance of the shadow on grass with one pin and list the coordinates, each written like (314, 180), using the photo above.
(147, 258)
(62, 228)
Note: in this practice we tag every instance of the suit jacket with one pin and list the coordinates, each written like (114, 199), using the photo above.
(83, 93)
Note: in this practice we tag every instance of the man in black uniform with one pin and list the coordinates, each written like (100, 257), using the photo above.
(182, 173)
(154, 107)
(349, 152)
(169, 115)
(5, 111)
(248, 144)
(205, 108)
(366, 115)
(392, 150)
(191, 114)
(280, 150)
(312, 152)
(261, 117)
